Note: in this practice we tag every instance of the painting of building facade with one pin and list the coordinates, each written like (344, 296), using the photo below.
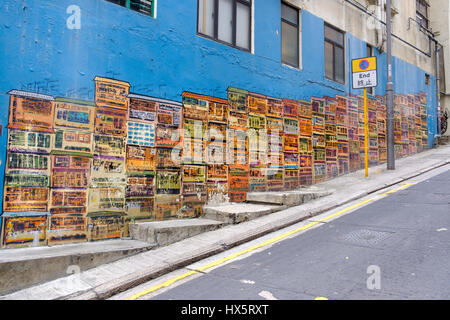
(83, 170)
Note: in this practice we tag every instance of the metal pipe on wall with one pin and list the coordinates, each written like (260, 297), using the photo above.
(389, 93)
(438, 89)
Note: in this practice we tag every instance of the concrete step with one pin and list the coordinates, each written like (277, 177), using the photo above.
(287, 198)
(24, 267)
(163, 233)
(443, 140)
(239, 212)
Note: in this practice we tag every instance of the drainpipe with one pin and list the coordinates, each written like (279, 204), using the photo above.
(438, 89)
(380, 34)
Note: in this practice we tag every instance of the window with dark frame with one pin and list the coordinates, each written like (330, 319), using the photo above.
(370, 53)
(422, 13)
(334, 54)
(146, 7)
(290, 35)
(226, 21)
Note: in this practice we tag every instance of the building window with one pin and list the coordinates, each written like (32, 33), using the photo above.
(334, 54)
(370, 53)
(143, 6)
(226, 21)
(290, 35)
(422, 13)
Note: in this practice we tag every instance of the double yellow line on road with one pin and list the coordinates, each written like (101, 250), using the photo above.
(406, 185)
(258, 246)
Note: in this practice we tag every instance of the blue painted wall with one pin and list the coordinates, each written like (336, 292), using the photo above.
(163, 57)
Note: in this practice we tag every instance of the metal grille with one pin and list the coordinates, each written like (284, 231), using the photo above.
(366, 237)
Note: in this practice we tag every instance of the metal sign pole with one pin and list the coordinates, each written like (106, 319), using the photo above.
(366, 133)
(389, 93)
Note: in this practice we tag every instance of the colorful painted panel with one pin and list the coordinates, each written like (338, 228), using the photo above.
(105, 225)
(69, 201)
(216, 143)
(107, 170)
(218, 111)
(74, 114)
(73, 141)
(257, 180)
(237, 100)
(291, 126)
(291, 179)
(305, 172)
(195, 106)
(304, 109)
(169, 115)
(275, 125)
(256, 122)
(167, 207)
(141, 134)
(257, 104)
(258, 148)
(111, 93)
(274, 108)
(194, 183)
(19, 231)
(140, 186)
(109, 145)
(167, 136)
(111, 122)
(142, 108)
(237, 120)
(141, 159)
(67, 229)
(168, 182)
(290, 109)
(305, 127)
(106, 199)
(275, 179)
(31, 111)
(291, 143)
(29, 141)
(25, 199)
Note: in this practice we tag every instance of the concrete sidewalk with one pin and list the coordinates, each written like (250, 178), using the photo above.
(109, 279)
(24, 267)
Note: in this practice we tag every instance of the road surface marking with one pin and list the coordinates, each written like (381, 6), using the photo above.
(240, 253)
(248, 281)
(321, 298)
(162, 285)
(406, 185)
(267, 295)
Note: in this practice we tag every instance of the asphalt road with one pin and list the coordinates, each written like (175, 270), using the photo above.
(396, 247)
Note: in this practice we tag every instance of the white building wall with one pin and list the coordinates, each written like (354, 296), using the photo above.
(346, 17)
(440, 22)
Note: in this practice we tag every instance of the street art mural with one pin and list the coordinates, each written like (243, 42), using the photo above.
(83, 170)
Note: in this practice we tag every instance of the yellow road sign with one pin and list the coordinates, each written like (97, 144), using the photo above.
(364, 73)
(364, 64)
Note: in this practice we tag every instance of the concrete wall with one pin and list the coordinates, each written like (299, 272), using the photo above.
(164, 56)
(347, 17)
(440, 22)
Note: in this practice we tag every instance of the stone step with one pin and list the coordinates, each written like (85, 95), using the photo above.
(239, 212)
(443, 140)
(287, 198)
(163, 233)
